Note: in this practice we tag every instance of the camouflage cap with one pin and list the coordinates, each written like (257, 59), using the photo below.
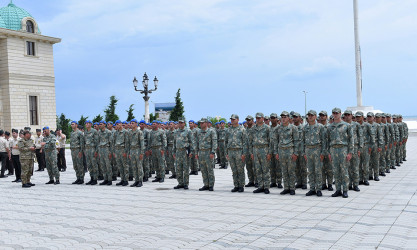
(370, 114)
(259, 115)
(359, 113)
(394, 116)
(273, 115)
(285, 113)
(378, 115)
(27, 128)
(249, 117)
(400, 116)
(383, 115)
(181, 119)
(267, 117)
(296, 114)
(349, 112)
(336, 110)
(387, 115)
(331, 117)
(203, 120)
(234, 116)
(311, 112)
(323, 113)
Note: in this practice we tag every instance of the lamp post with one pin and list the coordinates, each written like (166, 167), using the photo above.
(305, 103)
(146, 91)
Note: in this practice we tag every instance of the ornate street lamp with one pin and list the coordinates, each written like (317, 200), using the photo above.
(145, 91)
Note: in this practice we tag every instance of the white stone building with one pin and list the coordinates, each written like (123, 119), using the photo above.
(27, 79)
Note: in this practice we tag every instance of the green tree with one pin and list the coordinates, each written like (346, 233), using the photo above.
(178, 110)
(153, 117)
(110, 112)
(82, 120)
(64, 124)
(98, 118)
(130, 115)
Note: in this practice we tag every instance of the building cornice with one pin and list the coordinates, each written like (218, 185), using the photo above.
(4, 33)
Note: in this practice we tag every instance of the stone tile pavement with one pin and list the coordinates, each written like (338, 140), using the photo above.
(383, 215)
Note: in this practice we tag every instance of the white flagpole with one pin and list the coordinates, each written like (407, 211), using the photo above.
(357, 56)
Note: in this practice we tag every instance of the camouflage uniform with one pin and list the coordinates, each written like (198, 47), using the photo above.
(404, 146)
(340, 140)
(390, 147)
(170, 151)
(90, 149)
(136, 148)
(157, 142)
(355, 161)
(275, 167)
(76, 145)
(146, 167)
(396, 141)
(287, 143)
(327, 172)
(236, 146)
(115, 169)
(26, 159)
(250, 165)
(194, 163)
(398, 151)
(184, 145)
(300, 164)
(376, 132)
(383, 163)
(314, 145)
(260, 147)
(104, 143)
(206, 144)
(221, 136)
(120, 147)
(51, 157)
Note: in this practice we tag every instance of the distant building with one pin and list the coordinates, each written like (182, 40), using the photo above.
(27, 79)
(164, 110)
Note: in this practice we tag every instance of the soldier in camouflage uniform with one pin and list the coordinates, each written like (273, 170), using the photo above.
(206, 145)
(404, 142)
(364, 157)
(104, 150)
(393, 140)
(170, 134)
(193, 161)
(113, 163)
(76, 145)
(386, 135)
(261, 153)
(300, 164)
(146, 168)
(90, 150)
(157, 143)
(120, 152)
(376, 148)
(27, 148)
(357, 149)
(221, 136)
(184, 148)
(136, 151)
(327, 173)
(314, 147)
(286, 149)
(250, 167)
(340, 139)
(236, 147)
(400, 130)
(275, 167)
(49, 147)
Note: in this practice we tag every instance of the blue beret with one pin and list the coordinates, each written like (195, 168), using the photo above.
(192, 121)
(46, 128)
(154, 121)
(117, 122)
(75, 122)
(243, 122)
(104, 122)
(88, 121)
(222, 121)
(125, 122)
(176, 122)
(142, 121)
(240, 123)
(134, 120)
(110, 122)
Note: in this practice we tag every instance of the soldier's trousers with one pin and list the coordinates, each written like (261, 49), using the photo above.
(404, 150)
(388, 158)
(301, 170)
(194, 164)
(105, 163)
(206, 168)
(146, 167)
(91, 162)
(137, 164)
(392, 156)
(374, 163)
(275, 171)
(327, 172)
(159, 162)
(77, 163)
(183, 167)
(121, 163)
(170, 159)
(398, 153)
(114, 167)
(315, 167)
(382, 160)
(237, 166)
(364, 164)
(340, 167)
(27, 167)
(354, 167)
(262, 166)
(51, 165)
(288, 167)
(222, 153)
(130, 167)
(250, 168)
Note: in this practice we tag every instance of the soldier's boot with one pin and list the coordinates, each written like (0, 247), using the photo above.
(258, 190)
(304, 187)
(323, 187)
(299, 185)
(319, 194)
(145, 179)
(109, 183)
(292, 192)
(104, 183)
(250, 184)
(81, 182)
(130, 178)
(114, 178)
(88, 183)
(241, 189)
(100, 178)
(50, 182)
(387, 171)
(119, 183)
(186, 187)
(337, 193)
(330, 188)
(398, 164)
(76, 182)
(382, 174)
(156, 180)
(166, 171)
(134, 184)
(266, 191)
(256, 185)
(350, 187)
(161, 180)
(361, 182)
(30, 183)
(376, 178)
(173, 176)
(280, 185)
(149, 175)
(404, 159)
(125, 183)
(204, 188)
(94, 182)
(178, 186)
(356, 188)
(273, 185)
(26, 185)
(57, 182)
(311, 192)
(234, 190)
(345, 194)
(366, 183)
(140, 184)
(285, 191)
(393, 167)
(211, 189)
(371, 178)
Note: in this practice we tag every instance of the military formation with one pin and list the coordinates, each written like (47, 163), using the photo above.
(344, 150)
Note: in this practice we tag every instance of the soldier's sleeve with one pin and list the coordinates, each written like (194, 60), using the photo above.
(360, 136)
(270, 144)
(250, 142)
(380, 137)
(244, 141)
(192, 142)
(96, 139)
(127, 139)
(302, 140)
(141, 143)
(164, 140)
(213, 143)
(405, 130)
(351, 142)
(275, 137)
(323, 140)
(295, 136)
(271, 141)
(226, 142)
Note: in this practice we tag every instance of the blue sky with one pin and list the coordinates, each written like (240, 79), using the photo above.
(238, 56)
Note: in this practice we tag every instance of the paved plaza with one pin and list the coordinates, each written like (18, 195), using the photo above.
(382, 215)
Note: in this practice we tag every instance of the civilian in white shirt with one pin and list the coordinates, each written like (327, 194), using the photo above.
(16, 155)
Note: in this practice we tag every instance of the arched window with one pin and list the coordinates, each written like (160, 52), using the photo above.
(30, 27)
